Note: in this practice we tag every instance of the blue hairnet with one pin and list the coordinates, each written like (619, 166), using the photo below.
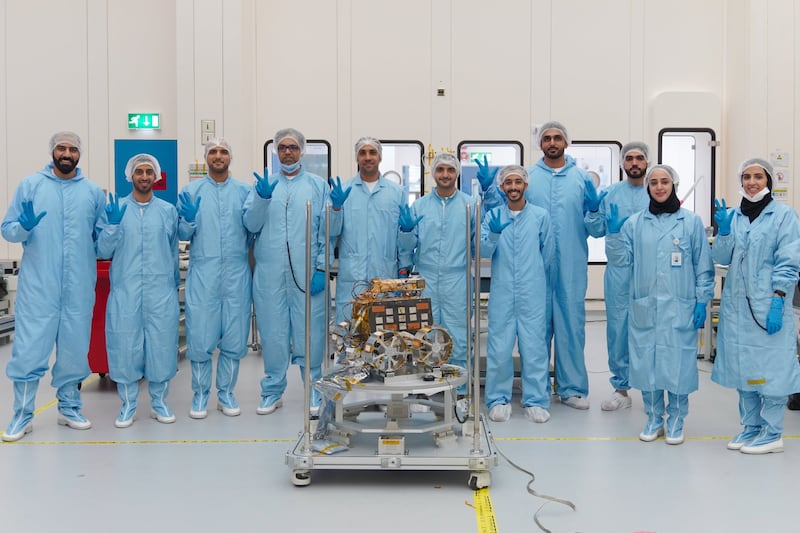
(142, 159)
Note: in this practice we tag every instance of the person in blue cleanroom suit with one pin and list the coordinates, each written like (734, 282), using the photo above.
(630, 196)
(275, 210)
(368, 244)
(141, 239)
(53, 214)
(567, 193)
(672, 280)
(219, 281)
(517, 238)
(757, 339)
(436, 232)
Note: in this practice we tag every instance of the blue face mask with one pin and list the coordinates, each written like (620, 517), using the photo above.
(290, 169)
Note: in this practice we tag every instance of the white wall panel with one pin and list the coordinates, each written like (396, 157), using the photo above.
(295, 62)
(390, 70)
(142, 66)
(590, 70)
(492, 79)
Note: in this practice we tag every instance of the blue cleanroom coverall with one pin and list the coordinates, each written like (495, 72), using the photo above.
(671, 272)
(279, 281)
(142, 311)
(630, 199)
(763, 257)
(368, 244)
(563, 193)
(517, 305)
(55, 293)
(218, 284)
(439, 244)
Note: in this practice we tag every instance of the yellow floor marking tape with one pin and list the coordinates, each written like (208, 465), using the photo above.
(150, 441)
(484, 511)
(614, 439)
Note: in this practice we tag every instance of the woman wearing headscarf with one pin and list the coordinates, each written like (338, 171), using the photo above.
(672, 280)
(756, 342)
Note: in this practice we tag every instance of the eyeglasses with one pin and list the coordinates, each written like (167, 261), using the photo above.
(289, 148)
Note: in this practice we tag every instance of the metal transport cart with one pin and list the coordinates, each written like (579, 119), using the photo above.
(407, 415)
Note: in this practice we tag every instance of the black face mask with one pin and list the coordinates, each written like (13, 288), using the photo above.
(670, 205)
(752, 209)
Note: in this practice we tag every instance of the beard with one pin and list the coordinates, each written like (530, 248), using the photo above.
(635, 174)
(65, 165)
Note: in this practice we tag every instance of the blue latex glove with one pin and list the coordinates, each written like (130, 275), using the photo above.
(723, 217)
(317, 282)
(338, 195)
(113, 211)
(263, 187)
(28, 219)
(775, 315)
(186, 209)
(699, 318)
(404, 272)
(407, 221)
(613, 221)
(485, 174)
(592, 199)
(496, 224)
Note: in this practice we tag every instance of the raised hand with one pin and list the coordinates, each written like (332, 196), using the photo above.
(407, 220)
(263, 187)
(723, 217)
(28, 219)
(496, 224)
(338, 195)
(188, 209)
(114, 212)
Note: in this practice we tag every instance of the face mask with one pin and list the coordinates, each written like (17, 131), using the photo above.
(289, 169)
(758, 196)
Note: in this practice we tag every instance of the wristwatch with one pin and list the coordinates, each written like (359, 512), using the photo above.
(780, 293)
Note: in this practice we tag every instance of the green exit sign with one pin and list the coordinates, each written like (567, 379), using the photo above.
(478, 156)
(144, 121)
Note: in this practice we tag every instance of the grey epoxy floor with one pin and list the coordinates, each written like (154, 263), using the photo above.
(228, 474)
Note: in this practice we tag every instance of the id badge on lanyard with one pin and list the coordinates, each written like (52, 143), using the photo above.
(676, 260)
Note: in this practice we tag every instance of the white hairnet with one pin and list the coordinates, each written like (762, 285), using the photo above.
(509, 170)
(218, 142)
(758, 162)
(552, 125)
(291, 133)
(139, 160)
(666, 168)
(65, 137)
(369, 141)
(634, 146)
(446, 158)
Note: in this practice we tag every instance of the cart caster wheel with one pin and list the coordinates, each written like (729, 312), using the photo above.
(479, 480)
(301, 478)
